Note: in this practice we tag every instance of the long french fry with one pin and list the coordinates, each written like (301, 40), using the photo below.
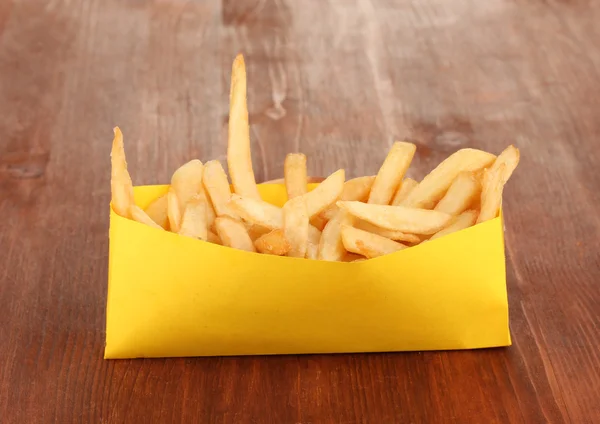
(494, 180)
(391, 172)
(140, 216)
(390, 234)
(436, 183)
(186, 181)
(257, 212)
(460, 222)
(331, 247)
(173, 211)
(157, 211)
(294, 171)
(398, 218)
(239, 158)
(273, 243)
(295, 226)
(193, 222)
(314, 238)
(325, 194)
(217, 187)
(233, 233)
(462, 193)
(407, 185)
(120, 181)
(368, 244)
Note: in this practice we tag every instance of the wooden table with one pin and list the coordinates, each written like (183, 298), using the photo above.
(339, 81)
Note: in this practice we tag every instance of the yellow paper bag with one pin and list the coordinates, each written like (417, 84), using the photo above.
(171, 296)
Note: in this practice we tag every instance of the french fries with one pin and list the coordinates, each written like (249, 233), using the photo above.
(404, 190)
(434, 186)
(339, 220)
(120, 180)
(139, 215)
(193, 222)
(398, 218)
(273, 243)
(392, 171)
(239, 159)
(462, 193)
(294, 171)
(233, 234)
(368, 244)
(295, 226)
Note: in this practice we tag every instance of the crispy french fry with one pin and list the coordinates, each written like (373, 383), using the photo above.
(213, 238)
(273, 243)
(255, 230)
(239, 158)
(310, 180)
(294, 171)
(139, 215)
(325, 194)
(217, 187)
(319, 222)
(352, 257)
(233, 233)
(257, 212)
(331, 247)
(368, 244)
(494, 180)
(120, 181)
(465, 189)
(295, 226)
(186, 181)
(157, 211)
(355, 189)
(398, 218)
(407, 185)
(460, 222)
(390, 234)
(314, 237)
(436, 183)
(392, 171)
(173, 211)
(193, 222)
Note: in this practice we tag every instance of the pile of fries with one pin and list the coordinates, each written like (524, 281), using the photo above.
(339, 220)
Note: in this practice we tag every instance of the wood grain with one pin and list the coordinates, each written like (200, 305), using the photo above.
(338, 81)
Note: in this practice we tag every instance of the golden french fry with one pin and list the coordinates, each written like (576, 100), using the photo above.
(255, 230)
(314, 237)
(295, 226)
(193, 222)
(213, 238)
(120, 181)
(173, 211)
(233, 233)
(390, 234)
(273, 243)
(352, 257)
(436, 183)
(217, 187)
(407, 185)
(319, 222)
(392, 171)
(325, 194)
(368, 244)
(355, 189)
(310, 180)
(186, 181)
(239, 158)
(331, 247)
(294, 171)
(139, 215)
(465, 189)
(494, 180)
(399, 218)
(157, 211)
(460, 222)
(257, 211)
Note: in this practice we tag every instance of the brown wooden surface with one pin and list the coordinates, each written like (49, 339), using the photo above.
(339, 81)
